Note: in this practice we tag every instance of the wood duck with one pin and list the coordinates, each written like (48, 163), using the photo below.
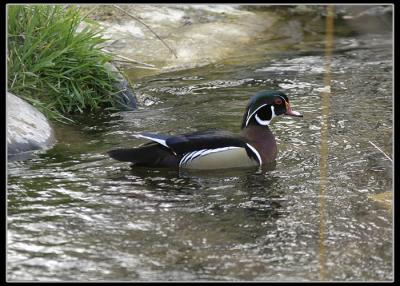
(216, 149)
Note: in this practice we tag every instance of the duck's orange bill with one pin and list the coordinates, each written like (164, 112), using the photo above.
(291, 112)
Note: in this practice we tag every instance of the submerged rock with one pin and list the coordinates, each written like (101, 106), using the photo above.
(27, 129)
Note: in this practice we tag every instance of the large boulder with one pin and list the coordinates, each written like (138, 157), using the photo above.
(27, 129)
(198, 34)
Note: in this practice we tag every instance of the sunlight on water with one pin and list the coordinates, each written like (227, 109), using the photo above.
(75, 214)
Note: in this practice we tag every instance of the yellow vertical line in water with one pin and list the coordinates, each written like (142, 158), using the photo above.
(323, 163)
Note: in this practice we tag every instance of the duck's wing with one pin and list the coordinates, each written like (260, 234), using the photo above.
(211, 139)
(183, 143)
(158, 138)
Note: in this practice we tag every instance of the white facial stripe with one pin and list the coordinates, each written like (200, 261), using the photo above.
(249, 116)
(262, 122)
(255, 152)
(266, 122)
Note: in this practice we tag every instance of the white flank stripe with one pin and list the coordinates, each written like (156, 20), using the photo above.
(255, 152)
(209, 151)
(184, 158)
(160, 141)
(195, 154)
(188, 156)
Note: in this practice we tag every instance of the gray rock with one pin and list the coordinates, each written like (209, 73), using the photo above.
(27, 129)
(198, 34)
(125, 98)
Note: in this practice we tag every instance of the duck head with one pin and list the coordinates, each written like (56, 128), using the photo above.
(266, 105)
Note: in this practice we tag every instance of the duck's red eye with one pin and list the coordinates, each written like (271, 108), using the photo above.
(278, 101)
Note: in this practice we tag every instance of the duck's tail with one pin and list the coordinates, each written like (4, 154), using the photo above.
(149, 155)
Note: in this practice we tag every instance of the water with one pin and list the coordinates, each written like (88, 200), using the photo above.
(75, 214)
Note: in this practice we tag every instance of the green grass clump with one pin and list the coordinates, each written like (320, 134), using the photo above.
(55, 66)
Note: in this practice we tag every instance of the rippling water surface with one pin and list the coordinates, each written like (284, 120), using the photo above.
(76, 214)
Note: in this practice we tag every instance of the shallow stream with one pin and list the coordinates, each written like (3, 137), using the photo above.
(76, 214)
